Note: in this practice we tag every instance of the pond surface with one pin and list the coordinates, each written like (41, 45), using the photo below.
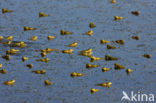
(75, 16)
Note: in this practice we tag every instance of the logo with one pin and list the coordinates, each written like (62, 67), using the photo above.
(137, 97)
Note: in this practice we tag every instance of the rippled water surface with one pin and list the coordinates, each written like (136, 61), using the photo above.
(75, 16)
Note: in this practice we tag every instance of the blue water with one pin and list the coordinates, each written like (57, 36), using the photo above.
(75, 16)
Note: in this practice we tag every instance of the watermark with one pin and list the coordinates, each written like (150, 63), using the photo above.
(137, 97)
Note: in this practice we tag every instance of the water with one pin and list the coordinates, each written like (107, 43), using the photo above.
(75, 16)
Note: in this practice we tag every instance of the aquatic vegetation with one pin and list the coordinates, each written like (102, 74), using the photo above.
(92, 65)
(75, 74)
(108, 84)
(118, 66)
(73, 44)
(137, 13)
(118, 18)
(105, 69)
(93, 90)
(120, 42)
(1, 65)
(4, 10)
(108, 57)
(26, 28)
(9, 38)
(12, 51)
(136, 37)
(47, 82)
(104, 41)
(147, 56)
(129, 71)
(6, 57)
(64, 32)
(41, 14)
(3, 71)
(39, 71)
(30, 65)
(111, 47)
(34, 38)
(11, 82)
(43, 60)
(24, 59)
(50, 37)
(68, 51)
(92, 25)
